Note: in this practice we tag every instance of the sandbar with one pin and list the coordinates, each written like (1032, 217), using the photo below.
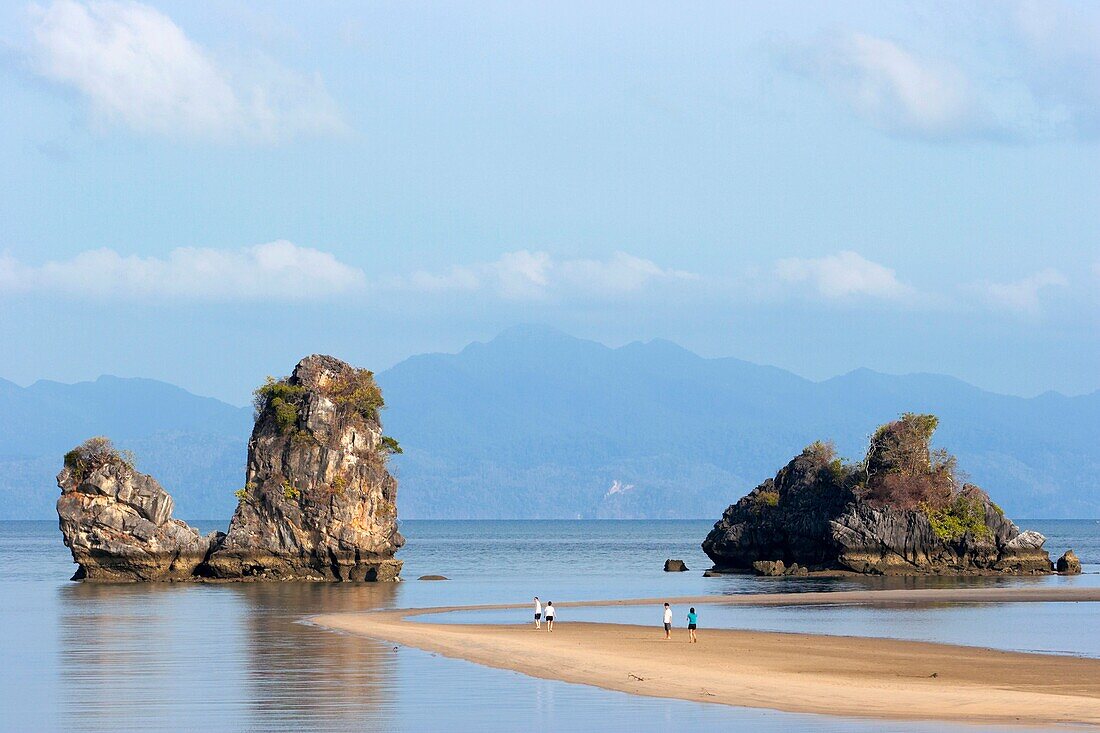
(804, 673)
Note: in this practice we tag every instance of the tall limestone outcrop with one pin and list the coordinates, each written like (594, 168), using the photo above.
(318, 502)
(901, 511)
(118, 521)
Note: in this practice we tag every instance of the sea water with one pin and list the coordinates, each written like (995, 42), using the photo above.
(233, 657)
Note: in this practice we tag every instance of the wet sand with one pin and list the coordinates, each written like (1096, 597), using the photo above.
(806, 673)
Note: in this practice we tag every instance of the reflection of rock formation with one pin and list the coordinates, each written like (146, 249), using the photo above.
(900, 511)
(130, 657)
(313, 677)
(318, 503)
(118, 521)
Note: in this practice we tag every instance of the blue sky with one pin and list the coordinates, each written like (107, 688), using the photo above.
(204, 192)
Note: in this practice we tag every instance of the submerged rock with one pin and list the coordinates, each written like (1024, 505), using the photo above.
(433, 577)
(1068, 563)
(900, 511)
(118, 521)
(318, 502)
(675, 566)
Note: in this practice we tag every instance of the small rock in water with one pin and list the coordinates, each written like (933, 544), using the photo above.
(1069, 563)
(433, 577)
(675, 566)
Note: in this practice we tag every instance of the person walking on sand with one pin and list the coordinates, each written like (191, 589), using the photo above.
(538, 613)
(693, 623)
(549, 615)
(668, 622)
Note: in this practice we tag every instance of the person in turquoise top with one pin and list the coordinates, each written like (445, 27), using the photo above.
(693, 623)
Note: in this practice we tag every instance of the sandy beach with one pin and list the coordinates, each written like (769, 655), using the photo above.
(833, 675)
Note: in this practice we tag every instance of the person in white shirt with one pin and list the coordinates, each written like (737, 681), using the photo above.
(668, 622)
(538, 613)
(549, 615)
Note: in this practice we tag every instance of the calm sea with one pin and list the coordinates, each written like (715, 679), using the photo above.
(80, 657)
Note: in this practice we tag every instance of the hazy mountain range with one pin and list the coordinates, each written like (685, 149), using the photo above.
(536, 423)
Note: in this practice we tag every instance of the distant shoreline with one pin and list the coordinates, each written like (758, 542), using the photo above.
(804, 673)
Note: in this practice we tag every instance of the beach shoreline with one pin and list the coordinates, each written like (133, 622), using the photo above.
(803, 673)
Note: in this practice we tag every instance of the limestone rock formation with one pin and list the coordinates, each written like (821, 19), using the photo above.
(900, 511)
(675, 566)
(318, 502)
(1068, 563)
(118, 521)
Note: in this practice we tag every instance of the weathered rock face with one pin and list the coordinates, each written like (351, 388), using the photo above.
(318, 502)
(821, 515)
(1069, 563)
(118, 521)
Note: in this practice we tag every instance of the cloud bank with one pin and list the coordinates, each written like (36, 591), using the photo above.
(276, 270)
(526, 275)
(138, 69)
(1024, 295)
(283, 271)
(843, 275)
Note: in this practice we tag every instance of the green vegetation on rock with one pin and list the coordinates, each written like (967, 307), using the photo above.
(359, 390)
(965, 514)
(766, 500)
(902, 471)
(389, 446)
(283, 398)
(243, 494)
(94, 453)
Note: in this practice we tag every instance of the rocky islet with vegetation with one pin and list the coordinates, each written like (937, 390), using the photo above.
(902, 510)
(318, 501)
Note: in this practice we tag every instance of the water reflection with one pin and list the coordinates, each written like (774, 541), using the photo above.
(301, 676)
(226, 656)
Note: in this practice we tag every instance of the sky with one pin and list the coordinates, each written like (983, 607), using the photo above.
(205, 192)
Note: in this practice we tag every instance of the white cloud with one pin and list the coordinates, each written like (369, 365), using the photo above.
(276, 270)
(138, 69)
(1030, 89)
(1022, 295)
(842, 275)
(895, 88)
(523, 275)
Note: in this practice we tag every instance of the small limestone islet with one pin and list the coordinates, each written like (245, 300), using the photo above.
(318, 502)
(902, 510)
